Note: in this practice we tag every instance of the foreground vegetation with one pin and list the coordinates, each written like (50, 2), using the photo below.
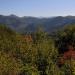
(37, 53)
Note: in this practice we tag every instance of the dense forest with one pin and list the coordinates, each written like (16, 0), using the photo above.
(37, 53)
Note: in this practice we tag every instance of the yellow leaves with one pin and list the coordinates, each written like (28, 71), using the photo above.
(9, 64)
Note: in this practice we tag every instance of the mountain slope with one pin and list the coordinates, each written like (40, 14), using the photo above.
(30, 24)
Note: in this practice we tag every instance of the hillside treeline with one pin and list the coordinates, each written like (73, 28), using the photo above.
(37, 53)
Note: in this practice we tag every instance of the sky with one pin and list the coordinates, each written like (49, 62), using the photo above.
(37, 8)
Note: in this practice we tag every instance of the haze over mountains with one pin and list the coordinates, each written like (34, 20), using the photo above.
(30, 24)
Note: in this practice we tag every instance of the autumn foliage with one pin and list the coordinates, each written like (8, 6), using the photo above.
(37, 53)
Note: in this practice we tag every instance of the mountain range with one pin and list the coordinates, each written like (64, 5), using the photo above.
(30, 24)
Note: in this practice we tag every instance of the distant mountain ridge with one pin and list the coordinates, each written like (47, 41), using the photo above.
(30, 24)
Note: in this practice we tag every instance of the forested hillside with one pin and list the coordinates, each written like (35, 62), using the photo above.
(37, 53)
(30, 24)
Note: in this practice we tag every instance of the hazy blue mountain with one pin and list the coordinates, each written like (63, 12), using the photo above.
(30, 24)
